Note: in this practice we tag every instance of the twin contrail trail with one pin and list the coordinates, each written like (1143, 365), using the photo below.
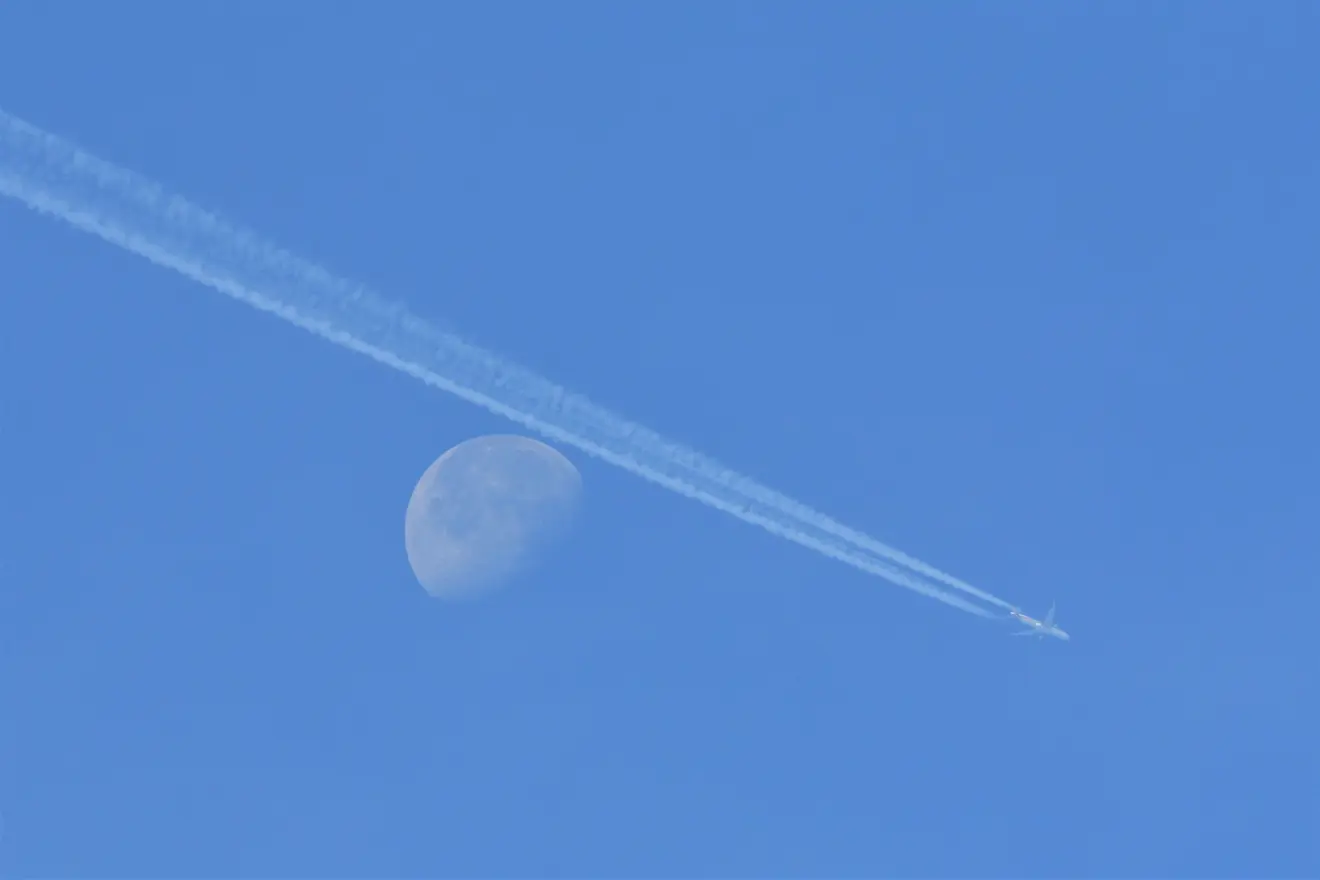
(53, 176)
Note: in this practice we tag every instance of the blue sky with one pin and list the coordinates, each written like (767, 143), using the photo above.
(1024, 289)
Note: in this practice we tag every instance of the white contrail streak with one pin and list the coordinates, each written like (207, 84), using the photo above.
(55, 177)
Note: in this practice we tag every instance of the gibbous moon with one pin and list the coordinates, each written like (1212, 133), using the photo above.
(484, 510)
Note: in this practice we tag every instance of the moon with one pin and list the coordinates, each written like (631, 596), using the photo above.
(485, 510)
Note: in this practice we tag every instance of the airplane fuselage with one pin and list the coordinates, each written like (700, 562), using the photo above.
(1040, 628)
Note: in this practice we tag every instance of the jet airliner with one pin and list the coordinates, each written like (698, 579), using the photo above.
(1039, 628)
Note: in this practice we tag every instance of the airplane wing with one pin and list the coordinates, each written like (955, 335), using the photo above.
(1049, 618)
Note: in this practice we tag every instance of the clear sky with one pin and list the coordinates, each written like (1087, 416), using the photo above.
(1028, 290)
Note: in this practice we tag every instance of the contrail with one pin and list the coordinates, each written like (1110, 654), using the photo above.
(53, 176)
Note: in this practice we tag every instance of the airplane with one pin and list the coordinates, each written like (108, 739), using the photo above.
(1039, 628)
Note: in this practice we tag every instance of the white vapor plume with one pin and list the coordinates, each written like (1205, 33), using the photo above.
(55, 177)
